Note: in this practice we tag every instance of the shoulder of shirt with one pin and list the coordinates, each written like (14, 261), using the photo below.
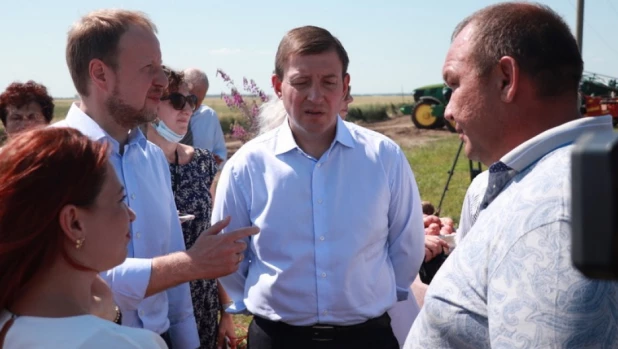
(115, 336)
(372, 139)
(205, 110)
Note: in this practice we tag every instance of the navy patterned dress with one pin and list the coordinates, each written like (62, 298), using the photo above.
(191, 184)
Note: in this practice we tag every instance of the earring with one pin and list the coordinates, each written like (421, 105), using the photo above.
(79, 243)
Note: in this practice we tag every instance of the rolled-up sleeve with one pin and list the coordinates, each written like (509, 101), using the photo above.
(129, 282)
(406, 233)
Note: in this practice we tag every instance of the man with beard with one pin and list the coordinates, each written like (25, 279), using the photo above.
(115, 63)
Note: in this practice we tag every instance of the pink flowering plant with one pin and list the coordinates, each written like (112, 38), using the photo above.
(236, 101)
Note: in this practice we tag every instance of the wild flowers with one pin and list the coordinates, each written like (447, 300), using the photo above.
(235, 101)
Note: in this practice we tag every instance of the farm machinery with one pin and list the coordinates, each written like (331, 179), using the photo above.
(428, 109)
(598, 94)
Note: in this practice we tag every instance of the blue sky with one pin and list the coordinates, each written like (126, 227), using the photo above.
(394, 45)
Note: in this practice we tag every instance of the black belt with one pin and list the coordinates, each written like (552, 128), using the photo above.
(323, 332)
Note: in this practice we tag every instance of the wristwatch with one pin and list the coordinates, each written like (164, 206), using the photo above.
(225, 306)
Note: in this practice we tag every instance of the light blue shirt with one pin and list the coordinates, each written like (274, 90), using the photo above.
(341, 237)
(510, 282)
(144, 172)
(207, 132)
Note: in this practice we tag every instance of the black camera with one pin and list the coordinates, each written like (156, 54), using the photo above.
(595, 205)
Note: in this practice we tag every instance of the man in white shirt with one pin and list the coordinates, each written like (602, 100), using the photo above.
(340, 213)
(115, 62)
(204, 128)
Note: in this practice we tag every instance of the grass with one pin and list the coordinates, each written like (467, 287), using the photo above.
(431, 164)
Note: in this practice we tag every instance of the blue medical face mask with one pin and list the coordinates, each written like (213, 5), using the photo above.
(166, 132)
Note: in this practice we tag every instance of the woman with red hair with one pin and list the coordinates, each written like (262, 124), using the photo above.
(63, 220)
(24, 106)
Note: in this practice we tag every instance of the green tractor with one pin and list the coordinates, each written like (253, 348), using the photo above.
(428, 109)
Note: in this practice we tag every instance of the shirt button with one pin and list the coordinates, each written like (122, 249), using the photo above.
(319, 165)
(319, 201)
(321, 238)
(137, 235)
(323, 275)
(325, 312)
(141, 313)
(132, 196)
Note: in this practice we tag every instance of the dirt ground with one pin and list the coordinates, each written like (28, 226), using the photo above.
(400, 129)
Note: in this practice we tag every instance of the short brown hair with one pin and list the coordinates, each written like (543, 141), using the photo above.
(308, 40)
(175, 79)
(19, 94)
(535, 36)
(96, 36)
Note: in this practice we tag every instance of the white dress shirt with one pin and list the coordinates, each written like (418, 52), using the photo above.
(341, 237)
(75, 332)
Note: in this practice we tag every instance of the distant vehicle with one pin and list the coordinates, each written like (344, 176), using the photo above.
(427, 112)
(598, 94)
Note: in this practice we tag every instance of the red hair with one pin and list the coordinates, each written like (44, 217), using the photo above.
(18, 95)
(42, 171)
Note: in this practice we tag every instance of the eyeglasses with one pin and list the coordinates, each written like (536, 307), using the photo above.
(179, 100)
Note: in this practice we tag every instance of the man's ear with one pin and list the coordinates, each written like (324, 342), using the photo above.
(508, 78)
(346, 84)
(276, 85)
(100, 74)
(70, 224)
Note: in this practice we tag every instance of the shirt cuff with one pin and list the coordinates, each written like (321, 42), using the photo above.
(129, 282)
(184, 334)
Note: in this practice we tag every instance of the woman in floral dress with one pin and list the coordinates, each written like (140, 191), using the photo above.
(192, 172)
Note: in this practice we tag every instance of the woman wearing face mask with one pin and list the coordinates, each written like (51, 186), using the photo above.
(53, 246)
(192, 172)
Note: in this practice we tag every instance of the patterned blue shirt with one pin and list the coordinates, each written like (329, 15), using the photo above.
(510, 283)
(341, 236)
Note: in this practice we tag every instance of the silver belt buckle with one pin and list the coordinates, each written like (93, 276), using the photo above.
(323, 333)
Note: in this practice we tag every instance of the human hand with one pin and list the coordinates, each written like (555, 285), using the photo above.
(214, 256)
(434, 246)
(435, 225)
(218, 159)
(226, 330)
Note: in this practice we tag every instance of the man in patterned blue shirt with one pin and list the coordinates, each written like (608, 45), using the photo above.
(515, 70)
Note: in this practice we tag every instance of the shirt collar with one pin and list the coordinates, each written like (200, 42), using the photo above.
(76, 118)
(533, 149)
(286, 141)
